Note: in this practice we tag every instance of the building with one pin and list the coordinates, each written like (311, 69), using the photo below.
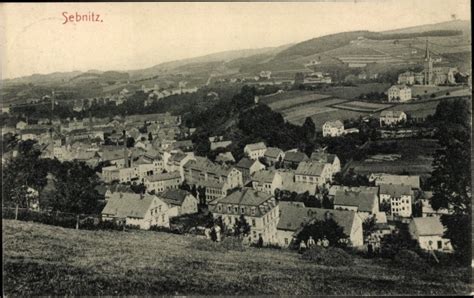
(364, 202)
(406, 78)
(314, 172)
(428, 232)
(141, 210)
(315, 78)
(294, 216)
(400, 93)
(247, 167)
(266, 181)
(259, 209)
(162, 182)
(273, 155)
(220, 144)
(400, 198)
(426, 208)
(436, 75)
(388, 118)
(323, 157)
(225, 157)
(179, 202)
(292, 159)
(265, 74)
(412, 180)
(201, 169)
(255, 151)
(333, 128)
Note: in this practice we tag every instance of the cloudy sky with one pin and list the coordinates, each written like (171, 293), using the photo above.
(33, 38)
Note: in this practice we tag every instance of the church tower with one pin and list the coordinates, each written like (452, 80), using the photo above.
(428, 70)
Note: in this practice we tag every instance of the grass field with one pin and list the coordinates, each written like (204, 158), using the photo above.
(47, 260)
(296, 101)
(352, 92)
(416, 158)
(361, 106)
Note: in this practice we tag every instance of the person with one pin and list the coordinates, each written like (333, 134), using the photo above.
(302, 246)
(217, 229)
(311, 242)
(325, 242)
(207, 232)
(319, 243)
(260, 241)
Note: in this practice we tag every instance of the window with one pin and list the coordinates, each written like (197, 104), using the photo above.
(219, 207)
(440, 244)
(242, 210)
(253, 210)
(163, 218)
(236, 209)
(253, 223)
(159, 208)
(229, 209)
(286, 241)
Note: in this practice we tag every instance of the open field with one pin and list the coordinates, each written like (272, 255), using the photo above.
(416, 158)
(296, 101)
(352, 92)
(47, 260)
(361, 106)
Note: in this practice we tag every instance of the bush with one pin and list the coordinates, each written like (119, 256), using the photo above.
(410, 259)
(328, 256)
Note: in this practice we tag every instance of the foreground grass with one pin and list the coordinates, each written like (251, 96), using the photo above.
(48, 260)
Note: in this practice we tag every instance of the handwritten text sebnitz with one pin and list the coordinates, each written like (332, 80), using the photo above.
(81, 17)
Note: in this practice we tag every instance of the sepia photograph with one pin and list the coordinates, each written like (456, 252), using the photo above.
(314, 148)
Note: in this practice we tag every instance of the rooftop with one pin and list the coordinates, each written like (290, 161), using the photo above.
(127, 204)
(364, 200)
(428, 226)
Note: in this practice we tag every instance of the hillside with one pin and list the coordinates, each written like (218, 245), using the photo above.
(47, 260)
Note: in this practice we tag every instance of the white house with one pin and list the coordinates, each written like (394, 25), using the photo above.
(428, 231)
(247, 167)
(399, 93)
(259, 209)
(294, 216)
(162, 182)
(399, 197)
(255, 151)
(314, 172)
(266, 181)
(392, 117)
(142, 210)
(333, 128)
(179, 202)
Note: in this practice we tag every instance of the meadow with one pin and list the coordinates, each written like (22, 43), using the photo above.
(48, 260)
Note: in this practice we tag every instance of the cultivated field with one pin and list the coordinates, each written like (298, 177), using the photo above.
(352, 92)
(416, 158)
(47, 260)
(296, 101)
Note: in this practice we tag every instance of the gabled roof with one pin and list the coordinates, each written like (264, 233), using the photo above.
(273, 152)
(163, 176)
(312, 168)
(322, 156)
(364, 200)
(388, 113)
(255, 146)
(128, 205)
(294, 216)
(263, 176)
(335, 124)
(174, 197)
(295, 157)
(245, 163)
(334, 188)
(395, 190)
(226, 156)
(413, 181)
(428, 226)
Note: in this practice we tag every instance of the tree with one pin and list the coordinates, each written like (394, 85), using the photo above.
(241, 226)
(130, 142)
(150, 137)
(309, 129)
(21, 173)
(75, 184)
(327, 228)
(138, 188)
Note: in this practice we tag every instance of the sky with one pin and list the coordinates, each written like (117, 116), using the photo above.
(35, 39)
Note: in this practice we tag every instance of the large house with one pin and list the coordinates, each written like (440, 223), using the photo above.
(392, 117)
(247, 167)
(428, 232)
(364, 202)
(201, 169)
(179, 202)
(142, 210)
(162, 182)
(399, 93)
(333, 128)
(259, 209)
(294, 216)
(293, 158)
(273, 155)
(314, 172)
(255, 151)
(266, 181)
(400, 198)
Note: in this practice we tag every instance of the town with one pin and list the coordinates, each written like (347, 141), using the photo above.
(322, 165)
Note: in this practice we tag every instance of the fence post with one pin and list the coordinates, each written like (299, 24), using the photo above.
(77, 222)
(16, 212)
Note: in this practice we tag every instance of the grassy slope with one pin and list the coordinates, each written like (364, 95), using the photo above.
(42, 260)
